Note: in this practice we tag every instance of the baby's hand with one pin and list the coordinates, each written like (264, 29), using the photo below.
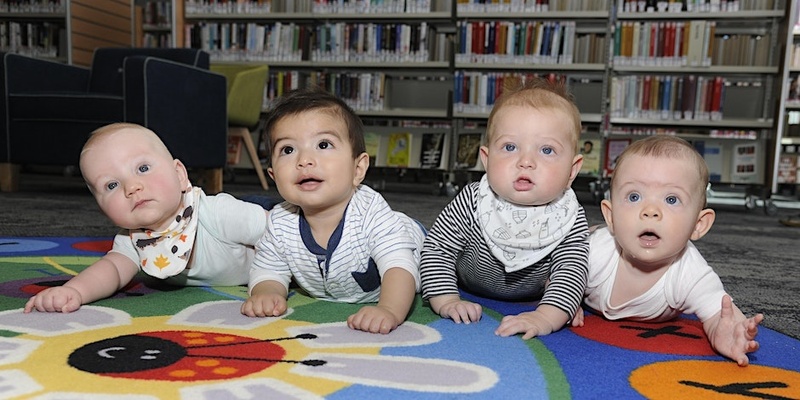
(732, 338)
(577, 320)
(530, 324)
(264, 305)
(373, 319)
(55, 299)
(461, 311)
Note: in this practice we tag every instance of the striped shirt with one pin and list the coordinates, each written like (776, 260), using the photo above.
(455, 255)
(370, 239)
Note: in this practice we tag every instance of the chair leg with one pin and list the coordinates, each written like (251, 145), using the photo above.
(244, 133)
(9, 177)
(212, 180)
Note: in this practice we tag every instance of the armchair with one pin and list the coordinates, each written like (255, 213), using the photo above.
(49, 109)
(245, 102)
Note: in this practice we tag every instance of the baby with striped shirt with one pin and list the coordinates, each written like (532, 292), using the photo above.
(336, 238)
(518, 234)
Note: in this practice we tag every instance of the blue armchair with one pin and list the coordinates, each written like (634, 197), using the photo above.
(48, 108)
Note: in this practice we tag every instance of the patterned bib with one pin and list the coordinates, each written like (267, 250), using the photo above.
(520, 236)
(164, 254)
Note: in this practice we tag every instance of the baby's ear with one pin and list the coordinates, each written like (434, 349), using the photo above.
(605, 207)
(705, 219)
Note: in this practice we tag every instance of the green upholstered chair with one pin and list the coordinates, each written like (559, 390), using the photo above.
(245, 101)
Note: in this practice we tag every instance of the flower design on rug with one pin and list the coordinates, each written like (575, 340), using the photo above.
(107, 352)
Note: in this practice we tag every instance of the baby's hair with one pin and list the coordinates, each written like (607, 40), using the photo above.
(667, 146)
(314, 98)
(538, 93)
(106, 130)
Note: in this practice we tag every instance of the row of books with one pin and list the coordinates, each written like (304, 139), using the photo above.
(157, 13)
(40, 39)
(256, 7)
(672, 43)
(361, 91)
(795, 55)
(531, 6)
(371, 42)
(476, 92)
(548, 42)
(748, 134)
(157, 40)
(32, 6)
(712, 6)
(248, 41)
(667, 97)
(371, 6)
(338, 42)
(686, 43)
(278, 83)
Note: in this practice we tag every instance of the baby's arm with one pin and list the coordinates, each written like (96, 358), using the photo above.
(267, 299)
(539, 322)
(731, 333)
(397, 293)
(99, 280)
(451, 306)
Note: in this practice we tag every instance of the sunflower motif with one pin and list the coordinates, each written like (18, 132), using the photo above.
(107, 352)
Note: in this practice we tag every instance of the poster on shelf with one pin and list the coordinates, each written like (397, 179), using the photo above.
(399, 150)
(787, 169)
(614, 148)
(745, 163)
(372, 141)
(468, 146)
(432, 148)
(712, 154)
(234, 149)
(590, 149)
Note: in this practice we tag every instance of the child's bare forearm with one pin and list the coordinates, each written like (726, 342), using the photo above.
(103, 278)
(269, 287)
(397, 292)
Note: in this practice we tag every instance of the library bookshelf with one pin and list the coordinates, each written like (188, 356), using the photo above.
(36, 28)
(709, 71)
(157, 23)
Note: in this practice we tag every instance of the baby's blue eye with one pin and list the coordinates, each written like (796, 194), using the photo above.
(112, 185)
(144, 168)
(548, 150)
(634, 197)
(509, 147)
(672, 200)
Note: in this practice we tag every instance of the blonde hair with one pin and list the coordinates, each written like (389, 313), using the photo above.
(538, 93)
(109, 129)
(668, 147)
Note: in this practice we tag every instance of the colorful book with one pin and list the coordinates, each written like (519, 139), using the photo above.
(398, 151)
(432, 149)
(467, 153)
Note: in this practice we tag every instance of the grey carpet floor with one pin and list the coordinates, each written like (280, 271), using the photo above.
(757, 258)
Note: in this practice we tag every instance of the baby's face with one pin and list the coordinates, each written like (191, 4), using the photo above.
(136, 184)
(530, 157)
(655, 204)
(312, 161)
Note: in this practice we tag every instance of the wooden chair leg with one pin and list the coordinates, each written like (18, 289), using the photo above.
(244, 133)
(212, 180)
(9, 177)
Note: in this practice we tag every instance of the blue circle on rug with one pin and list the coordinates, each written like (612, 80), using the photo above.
(18, 245)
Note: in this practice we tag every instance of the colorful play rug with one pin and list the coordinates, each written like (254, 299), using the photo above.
(155, 342)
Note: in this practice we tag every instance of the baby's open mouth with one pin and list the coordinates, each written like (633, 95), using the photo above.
(649, 236)
(309, 180)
